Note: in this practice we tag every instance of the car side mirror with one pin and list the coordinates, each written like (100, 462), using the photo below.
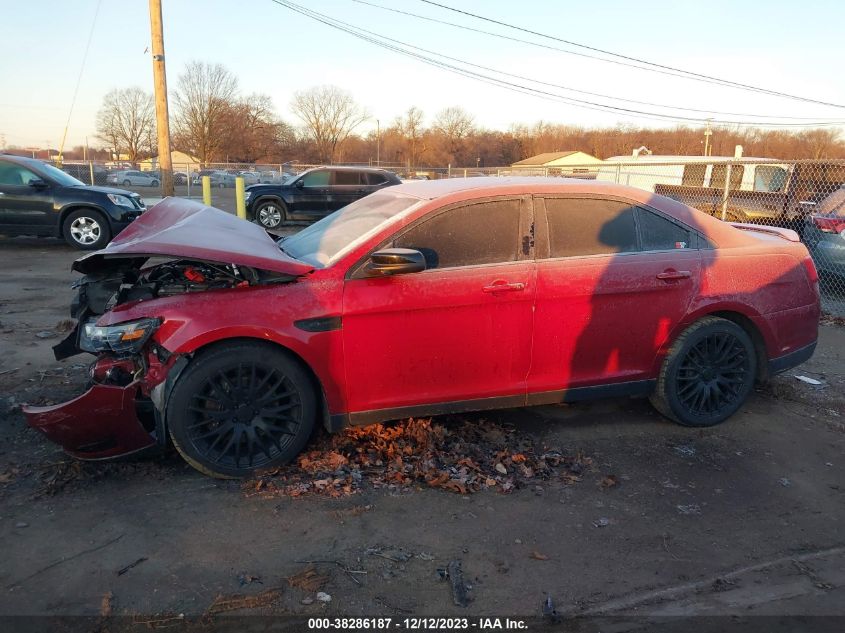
(394, 261)
(38, 183)
(299, 184)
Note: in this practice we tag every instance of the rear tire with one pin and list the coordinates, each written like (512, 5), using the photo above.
(86, 229)
(270, 214)
(707, 375)
(240, 408)
(126, 183)
(154, 183)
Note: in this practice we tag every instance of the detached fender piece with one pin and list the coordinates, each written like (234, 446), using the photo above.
(100, 424)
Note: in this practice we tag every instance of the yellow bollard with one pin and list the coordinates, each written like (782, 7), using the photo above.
(206, 191)
(240, 200)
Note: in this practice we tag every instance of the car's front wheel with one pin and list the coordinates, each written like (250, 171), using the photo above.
(127, 182)
(240, 408)
(86, 229)
(708, 373)
(270, 214)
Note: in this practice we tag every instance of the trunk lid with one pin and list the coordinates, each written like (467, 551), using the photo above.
(181, 228)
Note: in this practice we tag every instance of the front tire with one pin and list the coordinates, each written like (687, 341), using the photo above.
(86, 229)
(240, 408)
(270, 214)
(127, 183)
(707, 375)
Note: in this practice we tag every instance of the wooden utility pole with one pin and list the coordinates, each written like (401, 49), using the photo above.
(160, 87)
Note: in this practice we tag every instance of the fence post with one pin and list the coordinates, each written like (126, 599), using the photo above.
(206, 191)
(465, 172)
(91, 172)
(726, 191)
(189, 178)
(240, 201)
(449, 170)
(618, 173)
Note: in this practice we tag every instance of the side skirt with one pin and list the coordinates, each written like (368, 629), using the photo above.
(617, 390)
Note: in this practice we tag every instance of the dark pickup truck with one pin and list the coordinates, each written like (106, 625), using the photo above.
(782, 194)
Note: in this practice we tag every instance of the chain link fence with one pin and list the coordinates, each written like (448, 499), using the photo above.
(807, 196)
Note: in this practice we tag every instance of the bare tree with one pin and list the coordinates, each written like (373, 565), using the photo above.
(454, 125)
(329, 115)
(126, 121)
(205, 95)
(410, 128)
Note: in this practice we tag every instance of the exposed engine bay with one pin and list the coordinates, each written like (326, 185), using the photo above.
(127, 280)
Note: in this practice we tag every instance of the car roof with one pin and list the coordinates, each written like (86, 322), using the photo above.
(22, 160)
(348, 168)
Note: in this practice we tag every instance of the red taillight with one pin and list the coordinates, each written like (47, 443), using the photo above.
(812, 273)
(829, 224)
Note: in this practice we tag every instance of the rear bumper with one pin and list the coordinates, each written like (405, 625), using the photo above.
(101, 423)
(793, 359)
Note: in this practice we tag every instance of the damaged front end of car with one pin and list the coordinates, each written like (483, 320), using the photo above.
(122, 411)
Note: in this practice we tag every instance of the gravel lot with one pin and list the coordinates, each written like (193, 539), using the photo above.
(642, 517)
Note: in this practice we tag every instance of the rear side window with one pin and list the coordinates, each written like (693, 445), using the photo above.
(660, 234)
(694, 175)
(316, 179)
(586, 226)
(376, 179)
(347, 178)
(481, 233)
(717, 176)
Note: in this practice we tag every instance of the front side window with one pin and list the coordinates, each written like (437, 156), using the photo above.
(316, 179)
(717, 176)
(590, 226)
(694, 175)
(15, 175)
(376, 179)
(470, 235)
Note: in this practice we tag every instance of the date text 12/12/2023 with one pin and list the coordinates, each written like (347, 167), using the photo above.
(417, 624)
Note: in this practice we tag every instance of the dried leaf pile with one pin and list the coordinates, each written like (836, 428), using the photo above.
(459, 455)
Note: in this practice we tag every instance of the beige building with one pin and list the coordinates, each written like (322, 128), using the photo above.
(180, 160)
(572, 163)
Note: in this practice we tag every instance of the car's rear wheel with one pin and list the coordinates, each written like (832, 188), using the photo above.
(154, 183)
(127, 182)
(87, 229)
(240, 408)
(270, 214)
(707, 375)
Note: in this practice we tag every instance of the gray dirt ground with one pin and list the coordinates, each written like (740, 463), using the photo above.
(745, 518)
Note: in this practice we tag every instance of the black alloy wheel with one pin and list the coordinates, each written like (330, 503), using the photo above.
(241, 408)
(708, 373)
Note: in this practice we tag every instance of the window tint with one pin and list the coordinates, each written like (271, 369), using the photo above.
(585, 226)
(347, 178)
(316, 179)
(376, 179)
(659, 234)
(482, 233)
(694, 175)
(717, 176)
(11, 174)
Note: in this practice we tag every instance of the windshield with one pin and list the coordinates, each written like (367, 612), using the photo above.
(323, 241)
(62, 178)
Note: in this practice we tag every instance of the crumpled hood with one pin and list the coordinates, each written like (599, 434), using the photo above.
(181, 228)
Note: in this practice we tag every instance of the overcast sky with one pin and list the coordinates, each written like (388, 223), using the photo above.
(789, 46)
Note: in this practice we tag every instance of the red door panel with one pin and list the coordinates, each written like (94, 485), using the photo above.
(602, 319)
(441, 335)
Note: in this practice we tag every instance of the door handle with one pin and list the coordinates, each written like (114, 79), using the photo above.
(674, 275)
(503, 286)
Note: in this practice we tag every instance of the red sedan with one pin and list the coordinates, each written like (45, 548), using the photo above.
(425, 298)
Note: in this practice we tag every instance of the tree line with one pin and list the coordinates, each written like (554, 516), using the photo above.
(214, 122)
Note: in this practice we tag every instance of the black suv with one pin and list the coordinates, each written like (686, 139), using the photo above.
(313, 194)
(39, 199)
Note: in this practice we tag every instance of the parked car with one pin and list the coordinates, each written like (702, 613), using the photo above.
(40, 199)
(420, 299)
(83, 172)
(217, 177)
(180, 178)
(250, 177)
(133, 177)
(824, 233)
(313, 194)
(269, 177)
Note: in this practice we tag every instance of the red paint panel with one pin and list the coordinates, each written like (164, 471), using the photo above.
(602, 319)
(437, 336)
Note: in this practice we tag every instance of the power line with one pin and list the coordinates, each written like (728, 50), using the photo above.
(586, 92)
(689, 73)
(372, 38)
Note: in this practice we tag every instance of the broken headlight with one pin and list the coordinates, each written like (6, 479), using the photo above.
(123, 338)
